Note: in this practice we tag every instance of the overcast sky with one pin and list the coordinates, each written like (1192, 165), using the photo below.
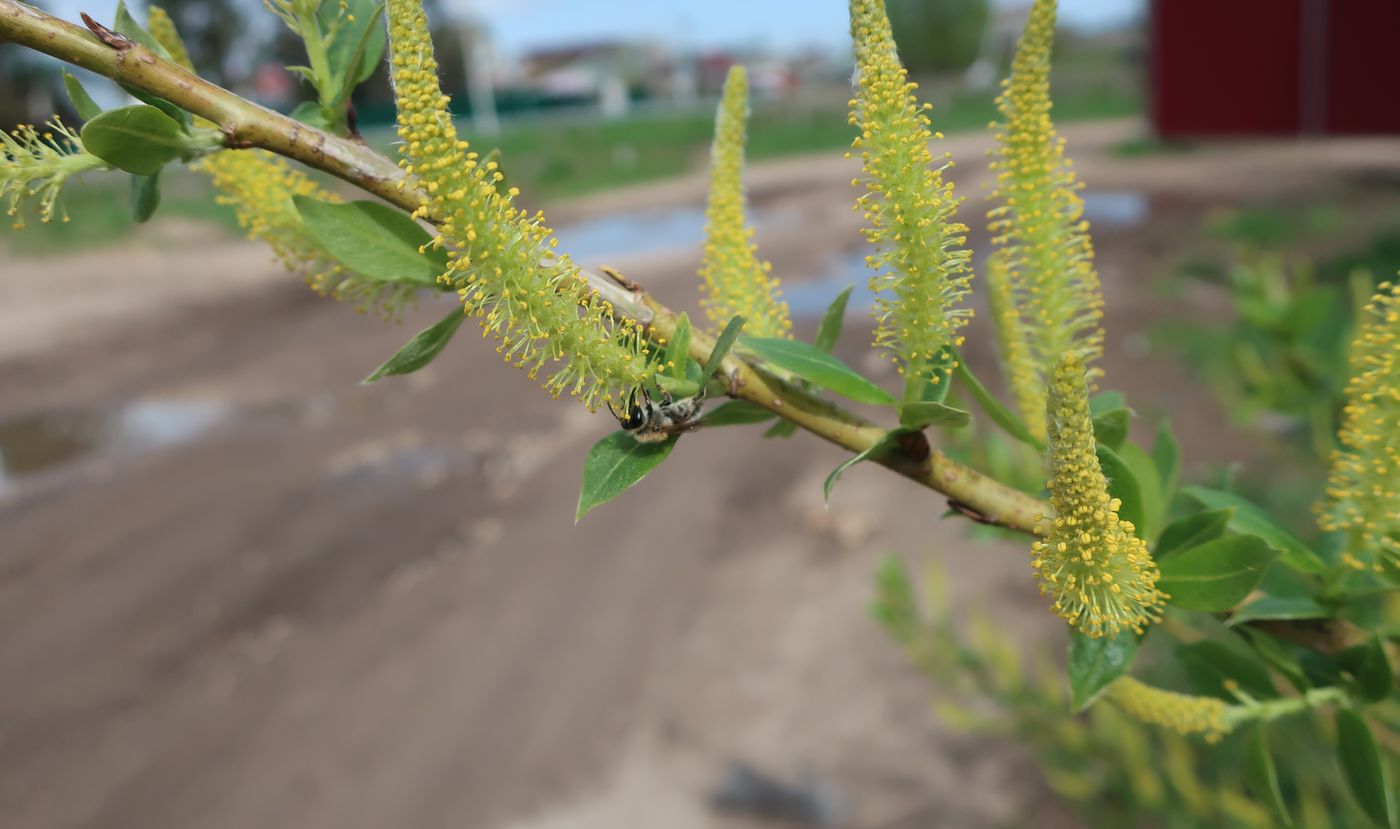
(523, 24)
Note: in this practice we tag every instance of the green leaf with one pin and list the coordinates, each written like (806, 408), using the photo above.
(125, 24)
(1217, 575)
(812, 364)
(936, 389)
(1149, 487)
(1278, 607)
(1192, 531)
(678, 350)
(677, 388)
(357, 47)
(1123, 485)
(1262, 777)
(309, 113)
(1111, 427)
(1095, 663)
(138, 139)
(999, 414)
(723, 343)
(1250, 520)
(1166, 454)
(882, 447)
(1212, 667)
(829, 331)
(1370, 667)
(781, 429)
(374, 240)
(920, 416)
(145, 196)
(1107, 401)
(1281, 656)
(1363, 768)
(614, 465)
(737, 413)
(83, 104)
(422, 349)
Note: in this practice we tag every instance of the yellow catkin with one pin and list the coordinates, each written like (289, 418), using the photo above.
(922, 270)
(35, 164)
(1101, 575)
(1037, 222)
(1012, 346)
(260, 187)
(1363, 487)
(1183, 713)
(502, 260)
(736, 281)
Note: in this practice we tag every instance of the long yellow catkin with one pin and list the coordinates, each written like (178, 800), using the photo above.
(502, 260)
(1363, 487)
(1182, 713)
(260, 186)
(1101, 575)
(921, 266)
(1038, 228)
(736, 281)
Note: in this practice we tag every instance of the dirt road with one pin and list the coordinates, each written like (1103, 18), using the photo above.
(316, 604)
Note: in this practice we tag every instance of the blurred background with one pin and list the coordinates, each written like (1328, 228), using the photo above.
(237, 588)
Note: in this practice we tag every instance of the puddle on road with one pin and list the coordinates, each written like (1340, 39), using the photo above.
(809, 298)
(632, 233)
(35, 443)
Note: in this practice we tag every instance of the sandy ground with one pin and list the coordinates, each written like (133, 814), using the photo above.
(347, 606)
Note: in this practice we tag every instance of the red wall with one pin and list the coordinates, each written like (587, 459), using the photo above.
(1252, 67)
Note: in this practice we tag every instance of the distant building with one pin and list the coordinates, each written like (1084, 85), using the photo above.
(608, 73)
(1274, 67)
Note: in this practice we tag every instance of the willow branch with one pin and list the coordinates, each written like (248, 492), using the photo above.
(245, 124)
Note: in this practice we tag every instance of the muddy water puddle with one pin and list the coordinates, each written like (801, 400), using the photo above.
(39, 442)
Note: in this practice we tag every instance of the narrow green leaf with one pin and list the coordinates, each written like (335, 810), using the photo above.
(781, 429)
(1279, 607)
(422, 349)
(357, 47)
(737, 413)
(678, 349)
(1217, 575)
(83, 104)
(125, 24)
(374, 240)
(1262, 777)
(1166, 453)
(1107, 401)
(1213, 668)
(1192, 531)
(138, 139)
(812, 364)
(145, 196)
(614, 465)
(920, 416)
(1123, 485)
(1370, 667)
(1278, 655)
(723, 343)
(1364, 769)
(829, 331)
(881, 448)
(1111, 427)
(1149, 487)
(677, 388)
(309, 113)
(1250, 520)
(999, 414)
(1095, 663)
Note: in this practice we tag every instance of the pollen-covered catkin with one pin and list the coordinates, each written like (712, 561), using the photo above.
(502, 260)
(1182, 713)
(921, 267)
(1363, 487)
(736, 281)
(1038, 228)
(1101, 575)
(35, 165)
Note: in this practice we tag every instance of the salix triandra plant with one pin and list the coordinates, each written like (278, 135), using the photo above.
(1127, 556)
